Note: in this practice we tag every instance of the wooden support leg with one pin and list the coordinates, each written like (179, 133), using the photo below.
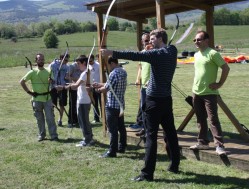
(186, 120)
(233, 119)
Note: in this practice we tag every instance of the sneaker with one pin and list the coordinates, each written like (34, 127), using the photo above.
(135, 126)
(220, 150)
(84, 144)
(55, 139)
(70, 125)
(40, 138)
(142, 178)
(140, 133)
(199, 147)
(59, 123)
(108, 154)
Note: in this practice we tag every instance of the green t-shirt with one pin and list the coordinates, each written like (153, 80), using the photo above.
(206, 70)
(39, 82)
(145, 74)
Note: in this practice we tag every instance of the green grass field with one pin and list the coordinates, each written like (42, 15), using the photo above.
(26, 163)
(13, 54)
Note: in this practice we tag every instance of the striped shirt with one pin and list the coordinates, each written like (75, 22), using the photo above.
(118, 80)
(163, 63)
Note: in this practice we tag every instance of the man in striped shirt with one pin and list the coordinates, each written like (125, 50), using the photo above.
(158, 104)
(116, 84)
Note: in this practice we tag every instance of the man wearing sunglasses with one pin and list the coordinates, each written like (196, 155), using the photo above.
(205, 92)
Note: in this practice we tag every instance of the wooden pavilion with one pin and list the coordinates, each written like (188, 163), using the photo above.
(140, 10)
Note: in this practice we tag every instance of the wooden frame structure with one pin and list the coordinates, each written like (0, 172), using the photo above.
(139, 11)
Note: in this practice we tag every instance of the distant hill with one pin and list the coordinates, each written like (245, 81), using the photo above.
(27, 11)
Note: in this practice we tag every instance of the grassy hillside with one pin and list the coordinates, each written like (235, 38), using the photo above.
(13, 53)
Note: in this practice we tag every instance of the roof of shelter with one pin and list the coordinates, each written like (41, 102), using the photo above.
(139, 10)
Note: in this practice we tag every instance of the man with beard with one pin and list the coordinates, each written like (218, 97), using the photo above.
(41, 99)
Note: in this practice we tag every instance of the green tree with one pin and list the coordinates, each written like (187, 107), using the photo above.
(88, 27)
(70, 26)
(22, 30)
(222, 17)
(7, 31)
(59, 28)
(50, 39)
(153, 23)
(124, 25)
(113, 24)
(244, 15)
(41, 27)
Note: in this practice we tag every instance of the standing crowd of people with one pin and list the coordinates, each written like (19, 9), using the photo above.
(157, 64)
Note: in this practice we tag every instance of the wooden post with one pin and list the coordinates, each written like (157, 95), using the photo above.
(186, 120)
(160, 14)
(101, 70)
(210, 25)
(229, 114)
(233, 119)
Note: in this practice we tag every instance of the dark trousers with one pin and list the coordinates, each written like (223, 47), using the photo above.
(86, 127)
(72, 117)
(159, 111)
(116, 124)
(139, 120)
(206, 107)
(97, 99)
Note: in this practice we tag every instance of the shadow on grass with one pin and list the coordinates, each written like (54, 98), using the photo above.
(227, 182)
(2, 129)
(69, 140)
(134, 152)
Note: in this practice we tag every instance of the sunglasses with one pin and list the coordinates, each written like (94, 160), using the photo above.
(146, 41)
(198, 40)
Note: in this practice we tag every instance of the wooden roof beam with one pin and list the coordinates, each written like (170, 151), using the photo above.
(122, 14)
(191, 4)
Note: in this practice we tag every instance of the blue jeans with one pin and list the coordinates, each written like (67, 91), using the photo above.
(39, 109)
(115, 124)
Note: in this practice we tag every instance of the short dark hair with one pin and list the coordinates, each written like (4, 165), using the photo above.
(92, 56)
(62, 56)
(82, 60)
(40, 54)
(160, 32)
(205, 34)
(111, 59)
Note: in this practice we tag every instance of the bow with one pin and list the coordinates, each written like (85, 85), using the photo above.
(177, 26)
(103, 45)
(105, 22)
(58, 76)
(188, 99)
(88, 74)
(30, 63)
(66, 53)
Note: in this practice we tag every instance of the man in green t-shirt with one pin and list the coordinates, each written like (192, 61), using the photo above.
(41, 100)
(143, 76)
(205, 92)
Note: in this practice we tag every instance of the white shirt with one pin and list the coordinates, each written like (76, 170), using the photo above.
(95, 71)
(82, 94)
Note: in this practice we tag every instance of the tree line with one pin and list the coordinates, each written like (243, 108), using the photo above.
(222, 16)
(225, 16)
